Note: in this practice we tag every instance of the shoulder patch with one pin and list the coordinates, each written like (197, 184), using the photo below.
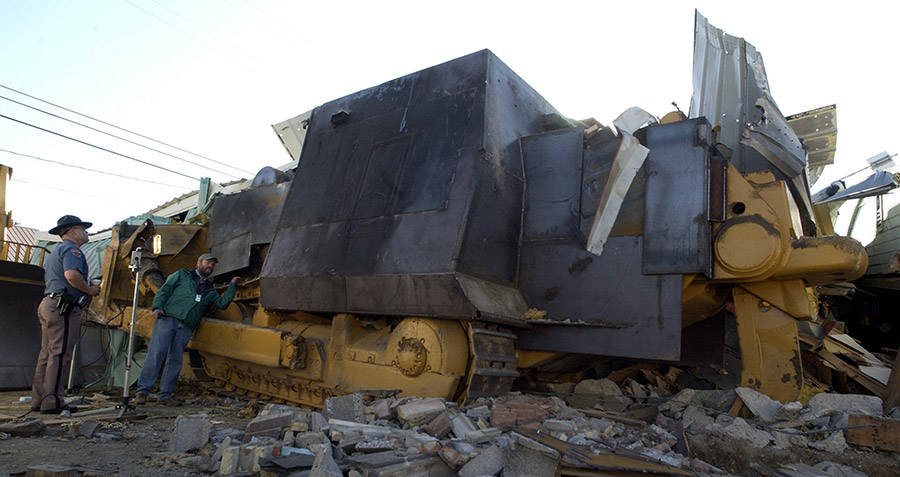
(75, 252)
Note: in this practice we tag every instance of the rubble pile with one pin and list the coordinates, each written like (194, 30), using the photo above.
(516, 434)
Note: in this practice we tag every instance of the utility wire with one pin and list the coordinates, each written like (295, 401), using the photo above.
(98, 147)
(20, 181)
(117, 137)
(92, 170)
(160, 19)
(122, 129)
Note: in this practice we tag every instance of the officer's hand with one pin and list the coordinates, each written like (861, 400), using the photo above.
(235, 280)
(157, 313)
(93, 290)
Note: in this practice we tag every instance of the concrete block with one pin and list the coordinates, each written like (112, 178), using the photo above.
(269, 425)
(306, 439)
(349, 407)
(325, 466)
(833, 444)
(461, 425)
(489, 462)
(479, 412)
(483, 435)
(423, 443)
(31, 427)
(439, 426)
(421, 411)
(604, 391)
(190, 433)
(823, 403)
(762, 406)
(740, 429)
(382, 408)
(317, 422)
(528, 458)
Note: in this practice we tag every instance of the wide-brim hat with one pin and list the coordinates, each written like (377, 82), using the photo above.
(66, 222)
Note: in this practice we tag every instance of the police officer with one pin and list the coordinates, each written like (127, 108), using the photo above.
(65, 294)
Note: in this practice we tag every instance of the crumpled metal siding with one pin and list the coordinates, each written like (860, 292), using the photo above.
(732, 91)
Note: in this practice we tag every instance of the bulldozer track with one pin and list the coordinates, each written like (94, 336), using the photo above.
(492, 370)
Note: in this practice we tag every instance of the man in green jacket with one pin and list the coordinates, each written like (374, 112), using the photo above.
(178, 307)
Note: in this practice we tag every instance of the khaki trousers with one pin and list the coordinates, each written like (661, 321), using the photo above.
(58, 338)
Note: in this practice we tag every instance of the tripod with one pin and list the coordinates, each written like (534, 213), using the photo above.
(135, 267)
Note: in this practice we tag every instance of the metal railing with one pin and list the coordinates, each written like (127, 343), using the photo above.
(22, 252)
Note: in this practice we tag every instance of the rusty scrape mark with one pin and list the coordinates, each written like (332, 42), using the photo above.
(579, 266)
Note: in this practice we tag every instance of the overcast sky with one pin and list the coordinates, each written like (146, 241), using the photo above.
(211, 76)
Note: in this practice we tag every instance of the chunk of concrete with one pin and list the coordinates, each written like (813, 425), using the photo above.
(325, 466)
(461, 424)
(529, 458)
(306, 439)
(420, 411)
(268, 425)
(483, 435)
(190, 433)
(823, 403)
(762, 406)
(603, 391)
(317, 422)
(489, 462)
(479, 412)
(740, 429)
(349, 407)
(439, 426)
(833, 444)
(678, 403)
(695, 419)
(789, 411)
(31, 427)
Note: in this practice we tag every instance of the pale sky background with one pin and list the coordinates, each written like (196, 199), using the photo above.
(211, 76)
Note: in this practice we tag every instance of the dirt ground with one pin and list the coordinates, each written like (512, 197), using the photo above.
(122, 448)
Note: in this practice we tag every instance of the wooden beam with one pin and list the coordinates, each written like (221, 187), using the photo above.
(891, 395)
(878, 433)
(853, 373)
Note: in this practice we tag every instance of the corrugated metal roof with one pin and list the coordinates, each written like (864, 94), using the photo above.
(19, 234)
(886, 245)
(817, 129)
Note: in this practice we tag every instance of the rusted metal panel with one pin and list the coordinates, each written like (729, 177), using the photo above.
(418, 177)
(600, 305)
(242, 220)
(676, 214)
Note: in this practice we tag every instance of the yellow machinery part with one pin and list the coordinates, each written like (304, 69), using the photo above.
(309, 360)
(770, 349)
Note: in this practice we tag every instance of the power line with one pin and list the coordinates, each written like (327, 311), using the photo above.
(160, 19)
(92, 170)
(117, 137)
(122, 129)
(98, 147)
(20, 181)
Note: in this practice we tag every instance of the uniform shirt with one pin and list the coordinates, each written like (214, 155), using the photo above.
(66, 256)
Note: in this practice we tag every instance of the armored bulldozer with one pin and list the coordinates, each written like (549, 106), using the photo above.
(443, 232)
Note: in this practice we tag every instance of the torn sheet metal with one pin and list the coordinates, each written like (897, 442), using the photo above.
(732, 91)
(292, 133)
(817, 129)
(633, 119)
(629, 159)
(881, 182)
